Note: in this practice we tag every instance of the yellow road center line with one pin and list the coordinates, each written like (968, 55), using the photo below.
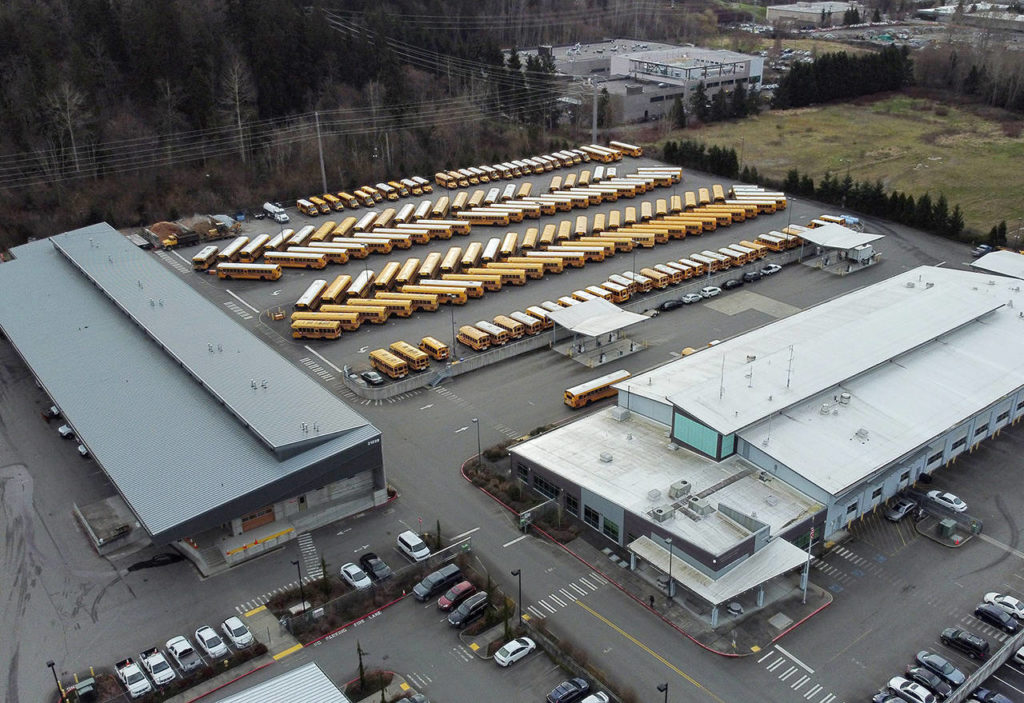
(647, 649)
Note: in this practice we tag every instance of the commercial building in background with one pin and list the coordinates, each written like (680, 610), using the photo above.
(811, 14)
(728, 457)
(644, 79)
(210, 440)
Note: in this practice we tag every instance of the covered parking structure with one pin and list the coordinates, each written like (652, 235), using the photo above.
(211, 439)
(596, 327)
(841, 249)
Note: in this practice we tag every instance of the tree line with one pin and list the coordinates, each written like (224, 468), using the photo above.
(869, 198)
(989, 74)
(839, 75)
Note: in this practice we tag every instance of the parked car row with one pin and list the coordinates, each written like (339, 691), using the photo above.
(933, 678)
(712, 291)
(153, 667)
(904, 505)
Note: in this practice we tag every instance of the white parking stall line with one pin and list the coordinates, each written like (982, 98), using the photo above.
(568, 596)
(467, 533)
(583, 580)
(765, 657)
(800, 682)
(812, 691)
(517, 539)
(576, 588)
(239, 610)
(242, 301)
(1007, 683)
(795, 660)
(561, 603)
(536, 613)
(776, 664)
(789, 672)
(546, 606)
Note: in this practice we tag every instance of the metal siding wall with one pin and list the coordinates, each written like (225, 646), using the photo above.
(657, 411)
(605, 507)
(764, 461)
(693, 434)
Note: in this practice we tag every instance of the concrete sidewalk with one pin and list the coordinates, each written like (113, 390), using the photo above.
(744, 632)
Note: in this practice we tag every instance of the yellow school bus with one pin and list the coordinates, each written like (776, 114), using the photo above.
(321, 204)
(386, 278)
(475, 339)
(348, 200)
(430, 266)
(454, 296)
(419, 301)
(460, 201)
(602, 387)
(397, 307)
(532, 269)
(261, 272)
(435, 348)
(531, 325)
(205, 258)
(452, 259)
(333, 201)
(549, 264)
(316, 329)
(349, 321)
(625, 148)
(472, 256)
(439, 210)
(389, 364)
(490, 281)
(295, 260)
(417, 359)
(335, 292)
(514, 328)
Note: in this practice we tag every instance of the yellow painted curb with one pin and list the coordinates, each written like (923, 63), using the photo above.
(255, 610)
(285, 653)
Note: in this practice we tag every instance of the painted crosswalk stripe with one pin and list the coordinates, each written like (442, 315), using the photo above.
(812, 691)
(765, 657)
(789, 672)
(600, 581)
(576, 588)
(558, 600)
(800, 682)
(586, 583)
(546, 606)
(535, 612)
(776, 664)
(828, 699)
(568, 596)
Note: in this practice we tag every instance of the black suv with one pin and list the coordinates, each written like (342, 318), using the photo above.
(751, 276)
(569, 691)
(471, 608)
(996, 616)
(437, 582)
(732, 283)
(375, 566)
(970, 644)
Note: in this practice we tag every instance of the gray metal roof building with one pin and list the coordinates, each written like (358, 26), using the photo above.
(193, 419)
(307, 684)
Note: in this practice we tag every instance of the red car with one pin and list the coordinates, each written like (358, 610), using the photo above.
(455, 595)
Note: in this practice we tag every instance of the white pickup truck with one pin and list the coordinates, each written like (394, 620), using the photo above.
(183, 653)
(154, 662)
(133, 678)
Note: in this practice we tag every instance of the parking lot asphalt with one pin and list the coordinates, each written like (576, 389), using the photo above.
(72, 606)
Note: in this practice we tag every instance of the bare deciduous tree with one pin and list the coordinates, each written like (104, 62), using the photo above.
(238, 98)
(66, 107)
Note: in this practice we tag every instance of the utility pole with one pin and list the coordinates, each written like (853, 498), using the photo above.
(320, 147)
(593, 119)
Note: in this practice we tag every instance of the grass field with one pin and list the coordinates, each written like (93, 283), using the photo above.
(750, 43)
(915, 145)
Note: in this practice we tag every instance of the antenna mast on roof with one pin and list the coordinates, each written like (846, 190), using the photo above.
(789, 371)
(721, 380)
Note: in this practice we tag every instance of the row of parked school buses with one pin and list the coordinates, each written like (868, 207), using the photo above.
(400, 289)
(365, 196)
(465, 177)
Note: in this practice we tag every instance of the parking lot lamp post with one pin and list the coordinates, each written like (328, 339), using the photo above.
(302, 593)
(451, 309)
(663, 687)
(479, 451)
(670, 589)
(53, 671)
(519, 603)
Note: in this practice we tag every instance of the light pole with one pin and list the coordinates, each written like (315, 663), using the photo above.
(519, 603)
(53, 671)
(663, 687)
(479, 451)
(670, 589)
(302, 593)
(451, 309)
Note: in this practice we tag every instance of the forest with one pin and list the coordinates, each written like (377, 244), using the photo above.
(132, 112)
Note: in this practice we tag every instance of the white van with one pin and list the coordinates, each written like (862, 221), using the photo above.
(276, 213)
(412, 546)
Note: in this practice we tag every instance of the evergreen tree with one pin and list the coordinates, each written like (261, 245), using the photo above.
(792, 182)
(923, 213)
(877, 17)
(806, 185)
(940, 215)
(699, 103)
(956, 222)
(719, 106)
(677, 115)
(740, 106)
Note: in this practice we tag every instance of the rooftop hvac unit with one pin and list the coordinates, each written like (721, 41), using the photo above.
(910, 284)
(844, 398)
(663, 513)
(679, 489)
(700, 506)
(751, 358)
(654, 494)
(606, 457)
(825, 409)
(771, 500)
(862, 434)
(620, 414)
